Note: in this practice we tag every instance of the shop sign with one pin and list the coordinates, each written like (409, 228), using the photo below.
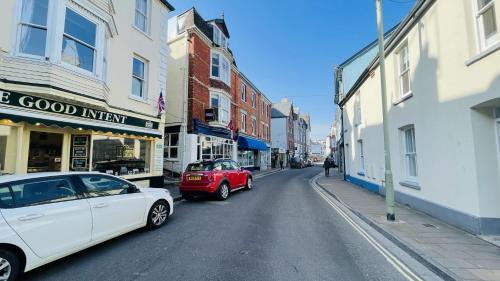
(79, 164)
(80, 151)
(159, 155)
(47, 105)
(211, 114)
(80, 140)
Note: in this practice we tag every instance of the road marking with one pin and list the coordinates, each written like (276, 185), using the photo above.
(395, 262)
(268, 174)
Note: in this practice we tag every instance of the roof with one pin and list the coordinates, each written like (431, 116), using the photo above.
(283, 107)
(402, 29)
(277, 114)
(170, 7)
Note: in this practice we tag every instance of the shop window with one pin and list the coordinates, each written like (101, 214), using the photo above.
(120, 156)
(214, 148)
(45, 152)
(171, 146)
(79, 41)
(246, 158)
(8, 149)
(33, 27)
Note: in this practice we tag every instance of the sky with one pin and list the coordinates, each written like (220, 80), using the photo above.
(288, 48)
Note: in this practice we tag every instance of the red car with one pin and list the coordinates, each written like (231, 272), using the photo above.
(218, 177)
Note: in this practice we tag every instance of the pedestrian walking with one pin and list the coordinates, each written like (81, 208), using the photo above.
(326, 165)
(281, 164)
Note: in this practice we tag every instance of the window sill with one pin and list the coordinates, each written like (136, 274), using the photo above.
(410, 184)
(142, 32)
(404, 98)
(490, 50)
(132, 97)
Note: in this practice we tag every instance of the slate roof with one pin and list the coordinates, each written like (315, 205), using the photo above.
(170, 7)
(281, 109)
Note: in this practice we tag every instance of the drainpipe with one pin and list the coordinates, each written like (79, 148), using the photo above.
(185, 100)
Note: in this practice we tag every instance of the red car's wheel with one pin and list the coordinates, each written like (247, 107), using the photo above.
(223, 191)
(249, 184)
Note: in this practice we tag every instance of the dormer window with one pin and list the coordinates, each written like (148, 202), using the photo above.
(219, 37)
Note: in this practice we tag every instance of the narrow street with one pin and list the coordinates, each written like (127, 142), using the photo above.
(280, 230)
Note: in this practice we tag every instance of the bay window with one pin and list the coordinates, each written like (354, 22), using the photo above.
(221, 101)
(220, 67)
(79, 41)
(210, 147)
(219, 37)
(486, 23)
(33, 27)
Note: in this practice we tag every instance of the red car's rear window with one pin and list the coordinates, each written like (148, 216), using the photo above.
(198, 167)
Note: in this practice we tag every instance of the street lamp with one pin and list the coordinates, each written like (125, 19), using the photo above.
(389, 187)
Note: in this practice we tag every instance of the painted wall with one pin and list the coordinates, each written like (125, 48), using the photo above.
(279, 134)
(451, 108)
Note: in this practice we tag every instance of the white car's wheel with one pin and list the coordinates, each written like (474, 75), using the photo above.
(9, 266)
(158, 214)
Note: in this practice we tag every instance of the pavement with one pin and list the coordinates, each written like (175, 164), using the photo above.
(448, 251)
(282, 229)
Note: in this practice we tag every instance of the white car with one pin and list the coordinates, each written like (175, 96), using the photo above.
(46, 216)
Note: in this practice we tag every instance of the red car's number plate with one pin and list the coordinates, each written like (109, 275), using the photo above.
(194, 178)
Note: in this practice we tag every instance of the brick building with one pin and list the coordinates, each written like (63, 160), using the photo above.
(203, 102)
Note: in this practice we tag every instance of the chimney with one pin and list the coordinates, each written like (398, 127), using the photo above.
(284, 100)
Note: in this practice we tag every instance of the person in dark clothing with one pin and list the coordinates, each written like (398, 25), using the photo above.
(281, 164)
(326, 165)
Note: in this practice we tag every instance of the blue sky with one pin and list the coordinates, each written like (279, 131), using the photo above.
(287, 48)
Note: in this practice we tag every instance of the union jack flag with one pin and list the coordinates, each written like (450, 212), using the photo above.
(161, 104)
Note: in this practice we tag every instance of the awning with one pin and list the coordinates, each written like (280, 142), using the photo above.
(202, 128)
(250, 143)
(75, 123)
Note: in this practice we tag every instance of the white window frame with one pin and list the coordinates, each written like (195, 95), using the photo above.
(253, 99)
(147, 24)
(226, 77)
(219, 37)
(144, 96)
(243, 121)
(406, 155)
(483, 42)
(168, 136)
(243, 91)
(48, 32)
(361, 153)
(253, 124)
(357, 109)
(403, 48)
(220, 97)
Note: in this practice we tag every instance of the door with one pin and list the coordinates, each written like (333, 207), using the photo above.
(45, 152)
(241, 174)
(49, 214)
(115, 207)
(230, 173)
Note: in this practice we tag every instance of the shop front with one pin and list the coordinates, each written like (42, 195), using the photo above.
(253, 154)
(213, 142)
(44, 135)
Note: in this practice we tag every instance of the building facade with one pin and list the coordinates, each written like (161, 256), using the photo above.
(79, 84)
(282, 134)
(204, 114)
(443, 97)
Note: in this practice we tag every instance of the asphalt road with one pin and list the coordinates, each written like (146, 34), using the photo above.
(280, 230)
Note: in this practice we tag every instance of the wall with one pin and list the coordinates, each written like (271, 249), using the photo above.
(279, 135)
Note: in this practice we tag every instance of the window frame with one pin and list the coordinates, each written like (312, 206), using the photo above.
(226, 77)
(168, 136)
(220, 97)
(403, 48)
(253, 99)
(86, 189)
(144, 80)
(484, 43)
(21, 23)
(243, 91)
(243, 121)
(253, 125)
(147, 25)
(406, 155)
(361, 163)
(219, 39)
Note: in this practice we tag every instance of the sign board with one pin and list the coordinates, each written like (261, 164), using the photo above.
(158, 155)
(211, 114)
(80, 140)
(79, 163)
(80, 151)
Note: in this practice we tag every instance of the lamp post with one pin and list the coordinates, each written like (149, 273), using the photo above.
(389, 187)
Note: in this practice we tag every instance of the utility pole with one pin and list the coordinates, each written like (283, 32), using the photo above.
(389, 187)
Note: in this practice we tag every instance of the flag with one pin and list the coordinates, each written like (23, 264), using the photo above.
(161, 104)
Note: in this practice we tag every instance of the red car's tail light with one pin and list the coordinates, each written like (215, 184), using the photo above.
(211, 177)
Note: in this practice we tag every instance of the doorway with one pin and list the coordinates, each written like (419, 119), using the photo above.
(45, 152)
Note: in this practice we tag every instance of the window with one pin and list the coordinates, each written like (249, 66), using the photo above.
(6, 200)
(361, 158)
(357, 109)
(79, 41)
(220, 67)
(98, 185)
(243, 125)
(221, 101)
(246, 158)
(141, 15)
(214, 148)
(171, 146)
(9, 142)
(139, 78)
(219, 37)
(41, 191)
(33, 27)
(410, 153)
(120, 156)
(404, 71)
(253, 99)
(243, 92)
(254, 125)
(486, 22)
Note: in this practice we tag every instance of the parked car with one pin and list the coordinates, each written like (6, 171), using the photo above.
(218, 177)
(47, 216)
(309, 163)
(297, 163)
